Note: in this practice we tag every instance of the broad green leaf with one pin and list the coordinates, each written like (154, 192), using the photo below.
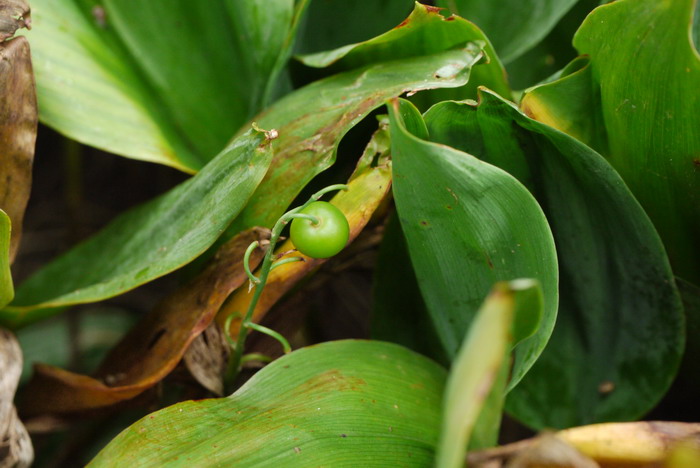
(468, 225)
(335, 23)
(425, 31)
(6, 288)
(167, 81)
(312, 121)
(514, 26)
(18, 125)
(643, 82)
(150, 240)
(340, 404)
(620, 320)
(482, 358)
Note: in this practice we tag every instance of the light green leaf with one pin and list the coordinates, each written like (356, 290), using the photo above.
(6, 288)
(468, 225)
(482, 359)
(340, 404)
(620, 320)
(425, 31)
(150, 240)
(167, 81)
(514, 26)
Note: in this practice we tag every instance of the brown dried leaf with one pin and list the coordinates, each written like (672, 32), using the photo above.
(206, 358)
(14, 14)
(153, 348)
(18, 126)
(15, 446)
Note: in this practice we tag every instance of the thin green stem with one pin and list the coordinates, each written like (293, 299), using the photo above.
(314, 220)
(255, 357)
(273, 334)
(246, 262)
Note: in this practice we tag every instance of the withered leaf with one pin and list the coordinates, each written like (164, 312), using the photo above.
(206, 358)
(15, 446)
(18, 127)
(14, 14)
(152, 349)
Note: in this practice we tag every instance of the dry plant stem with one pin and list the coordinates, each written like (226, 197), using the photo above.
(234, 366)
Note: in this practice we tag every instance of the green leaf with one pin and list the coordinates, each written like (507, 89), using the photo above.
(150, 240)
(482, 358)
(424, 32)
(312, 121)
(468, 225)
(167, 81)
(7, 291)
(640, 98)
(514, 26)
(342, 403)
(620, 319)
(335, 23)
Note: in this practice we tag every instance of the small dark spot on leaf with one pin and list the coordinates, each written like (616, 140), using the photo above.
(449, 207)
(424, 223)
(402, 24)
(451, 18)
(343, 435)
(696, 164)
(432, 9)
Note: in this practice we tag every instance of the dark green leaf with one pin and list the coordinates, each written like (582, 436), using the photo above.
(620, 321)
(468, 225)
(641, 97)
(514, 26)
(342, 403)
(167, 81)
(150, 240)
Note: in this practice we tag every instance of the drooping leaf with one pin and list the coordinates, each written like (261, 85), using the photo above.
(18, 125)
(514, 26)
(312, 121)
(150, 240)
(341, 403)
(425, 31)
(468, 225)
(641, 98)
(153, 347)
(482, 357)
(619, 333)
(367, 188)
(7, 291)
(163, 81)
(14, 14)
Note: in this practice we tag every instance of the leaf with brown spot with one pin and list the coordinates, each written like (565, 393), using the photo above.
(15, 446)
(368, 187)
(18, 126)
(153, 348)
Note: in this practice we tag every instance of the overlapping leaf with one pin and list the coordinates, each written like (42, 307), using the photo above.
(468, 225)
(514, 26)
(162, 81)
(620, 333)
(425, 31)
(150, 240)
(7, 291)
(342, 403)
(152, 348)
(639, 97)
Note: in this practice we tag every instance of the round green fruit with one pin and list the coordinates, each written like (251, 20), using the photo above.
(324, 239)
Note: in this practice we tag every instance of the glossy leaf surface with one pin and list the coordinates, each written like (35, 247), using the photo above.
(164, 81)
(150, 240)
(425, 31)
(514, 26)
(468, 225)
(341, 403)
(641, 100)
(620, 320)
